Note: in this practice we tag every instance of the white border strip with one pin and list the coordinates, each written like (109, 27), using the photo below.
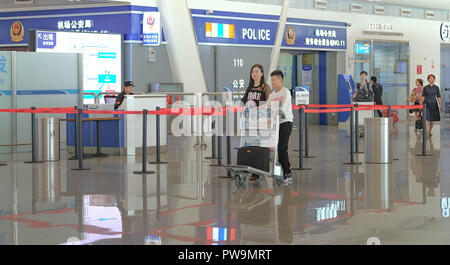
(14, 45)
(42, 8)
(236, 18)
(268, 20)
(315, 25)
(270, 46)
(74, 15)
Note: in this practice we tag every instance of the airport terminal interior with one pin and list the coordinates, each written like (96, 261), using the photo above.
(127, 122)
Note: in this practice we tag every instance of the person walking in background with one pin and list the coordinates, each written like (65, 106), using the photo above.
(432, 98)
(378, 92)
(415, 97)
(363, 91)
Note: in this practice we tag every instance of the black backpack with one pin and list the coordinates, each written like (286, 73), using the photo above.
(418, 124)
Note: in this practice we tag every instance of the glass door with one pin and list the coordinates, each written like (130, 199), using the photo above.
(391, 68)
(389, 62)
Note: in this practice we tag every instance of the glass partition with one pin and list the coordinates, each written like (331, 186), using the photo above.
(5, 100)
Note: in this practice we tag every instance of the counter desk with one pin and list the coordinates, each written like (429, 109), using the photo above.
(121, 136)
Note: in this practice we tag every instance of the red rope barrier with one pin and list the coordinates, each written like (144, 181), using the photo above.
(326, 110)
(213, 111)
(329, 106)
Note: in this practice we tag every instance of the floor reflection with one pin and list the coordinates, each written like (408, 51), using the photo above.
(189, 202)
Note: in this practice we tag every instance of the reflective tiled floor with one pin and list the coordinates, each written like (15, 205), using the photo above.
(187, 201)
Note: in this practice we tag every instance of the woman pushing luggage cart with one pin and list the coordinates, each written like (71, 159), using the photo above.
(259, 137)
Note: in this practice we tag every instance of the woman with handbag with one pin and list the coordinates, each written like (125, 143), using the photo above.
(414, 98)
(432, 97)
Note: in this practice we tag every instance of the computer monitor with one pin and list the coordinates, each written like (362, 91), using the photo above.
(110, 99)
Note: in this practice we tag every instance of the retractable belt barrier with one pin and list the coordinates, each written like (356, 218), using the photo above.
(208, 111)
(205, 111)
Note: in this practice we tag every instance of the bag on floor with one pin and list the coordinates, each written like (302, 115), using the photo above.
(419, 125)
(394, 116)
(254, 156)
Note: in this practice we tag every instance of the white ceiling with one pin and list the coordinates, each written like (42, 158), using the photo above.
(432, 4)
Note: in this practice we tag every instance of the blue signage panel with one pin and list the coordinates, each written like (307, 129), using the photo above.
(234, 31)
(307, 67)
(46, 40)
(362, 48)
(15, 30)
(315, 37)
(239, 31)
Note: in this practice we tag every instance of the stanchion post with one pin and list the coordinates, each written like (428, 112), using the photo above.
(357, 130)
(219, 144)
(79, 129)
(99, 146)
(307, 135)
(144, 145)
(352, 138)
(389, 111)
(228, 142)
(75, 156)
(213, 142)
(300, 138)
(158, 139)
(33, 138)
(424, 131)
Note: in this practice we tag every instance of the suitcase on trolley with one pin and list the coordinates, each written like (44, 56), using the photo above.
(254, 156)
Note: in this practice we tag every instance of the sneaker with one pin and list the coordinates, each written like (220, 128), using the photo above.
(287, 178)
(287, 181)
(287, 175)
(254, 177)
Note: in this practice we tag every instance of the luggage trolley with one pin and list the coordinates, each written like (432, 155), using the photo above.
(258, 127)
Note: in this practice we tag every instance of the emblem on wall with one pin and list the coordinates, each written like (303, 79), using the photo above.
(17, 31)
(445, 31)
(290, 35)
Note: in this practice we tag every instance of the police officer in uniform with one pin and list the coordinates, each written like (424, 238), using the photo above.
(127, 90)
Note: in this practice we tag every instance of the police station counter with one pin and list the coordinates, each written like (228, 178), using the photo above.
(123, 136)
(133, 123)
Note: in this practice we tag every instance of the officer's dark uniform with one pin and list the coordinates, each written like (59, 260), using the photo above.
(121, 96)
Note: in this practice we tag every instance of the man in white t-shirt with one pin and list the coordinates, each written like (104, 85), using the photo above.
(283, 96)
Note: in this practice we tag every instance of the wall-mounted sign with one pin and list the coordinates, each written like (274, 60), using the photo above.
(108, 19)
(290, 35)
(80, 24)
(102, 57)
(151, 28)
(362, 48)
(17, 31)
(445, 31)
(419, 69)
(307, 75)
(240, 30)
(219, 30)
(374, 26)
(232, 31)
(305, 36)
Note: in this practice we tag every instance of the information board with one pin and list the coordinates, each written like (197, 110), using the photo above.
(301, 96)
(102, 57)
